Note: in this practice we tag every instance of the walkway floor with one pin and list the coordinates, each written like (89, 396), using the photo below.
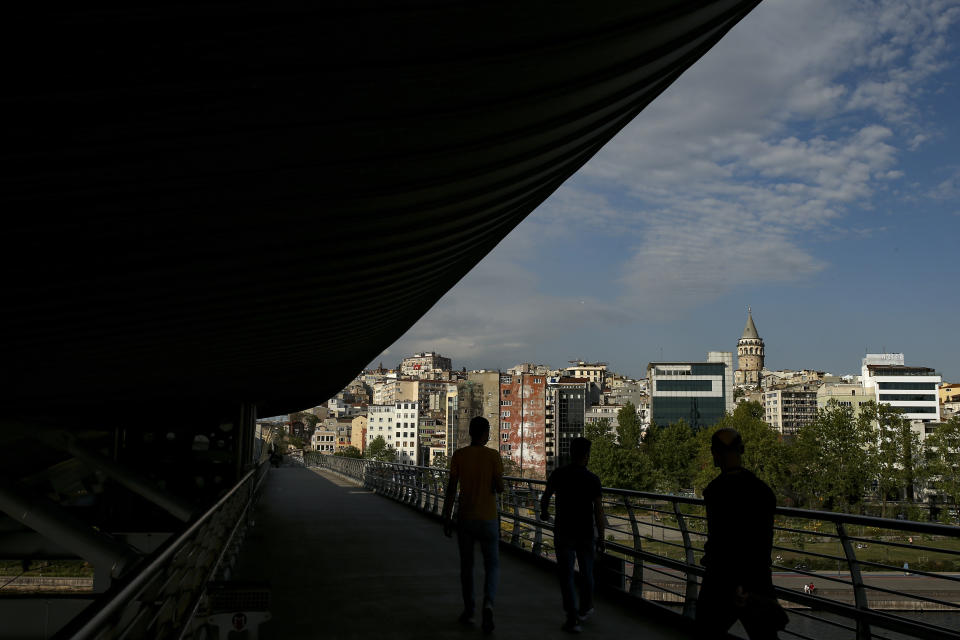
(343, 562)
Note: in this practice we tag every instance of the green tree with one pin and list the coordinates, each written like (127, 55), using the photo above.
(943, 453)
(306, 418)
(617, 465)
(596, 431)
(671, 451)
(765, 454)
(629, 427)
(349, 452)
(834, 451)
(896, 454)
(380, 451)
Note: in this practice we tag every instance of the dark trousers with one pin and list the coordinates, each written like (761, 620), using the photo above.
(581, 550)
(487, 534)
(717, 610)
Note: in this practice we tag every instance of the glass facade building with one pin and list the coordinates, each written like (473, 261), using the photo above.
(694, 392)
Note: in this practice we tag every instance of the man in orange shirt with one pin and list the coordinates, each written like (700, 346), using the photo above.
(479, 472)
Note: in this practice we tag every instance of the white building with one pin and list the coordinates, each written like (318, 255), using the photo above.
(911, 389)
(398, 425)
(726, 357)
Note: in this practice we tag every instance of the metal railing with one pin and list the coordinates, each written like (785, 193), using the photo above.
(159, 597)
(862, 588)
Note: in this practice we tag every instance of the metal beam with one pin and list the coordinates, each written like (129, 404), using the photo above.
(143, 487)
(52, 521)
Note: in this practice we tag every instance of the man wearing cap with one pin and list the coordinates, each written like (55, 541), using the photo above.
(737, 583)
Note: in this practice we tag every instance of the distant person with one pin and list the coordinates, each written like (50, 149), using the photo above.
(579, 510)
(479, 472)
(737, 584)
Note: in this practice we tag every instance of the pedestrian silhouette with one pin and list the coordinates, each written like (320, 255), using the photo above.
(737, 583)
(479, 472)
(578, 529)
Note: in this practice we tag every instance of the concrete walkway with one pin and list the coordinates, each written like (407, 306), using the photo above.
(343, 562)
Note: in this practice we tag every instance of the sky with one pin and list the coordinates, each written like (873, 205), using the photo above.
(807, 166)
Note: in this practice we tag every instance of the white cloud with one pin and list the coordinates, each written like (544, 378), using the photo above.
(728, 172)
(802, 112)
(948, 189)
(496, 314)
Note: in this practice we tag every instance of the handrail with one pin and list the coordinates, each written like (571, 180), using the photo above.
(97, 618)
(644, 544)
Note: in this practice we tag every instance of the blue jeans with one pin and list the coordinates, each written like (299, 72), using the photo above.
(487, 533)
(581, 550)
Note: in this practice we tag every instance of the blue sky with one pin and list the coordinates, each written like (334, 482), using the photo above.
(808, 165)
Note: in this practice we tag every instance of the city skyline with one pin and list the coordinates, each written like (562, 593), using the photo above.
(806, 166)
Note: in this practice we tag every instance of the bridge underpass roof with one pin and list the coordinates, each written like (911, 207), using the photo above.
(213, 204)
(343, 562)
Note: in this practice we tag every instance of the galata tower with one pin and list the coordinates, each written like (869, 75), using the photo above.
(749, 355)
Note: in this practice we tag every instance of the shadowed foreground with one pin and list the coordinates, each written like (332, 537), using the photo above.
(343, 562)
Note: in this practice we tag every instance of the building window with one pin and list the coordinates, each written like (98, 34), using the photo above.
(505, 414)
(504, 436)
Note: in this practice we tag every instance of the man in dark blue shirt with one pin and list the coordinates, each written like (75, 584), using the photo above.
(579, 509)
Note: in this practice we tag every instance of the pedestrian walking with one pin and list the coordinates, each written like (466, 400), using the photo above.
(737, 583)
(578, 530)
(478, 470)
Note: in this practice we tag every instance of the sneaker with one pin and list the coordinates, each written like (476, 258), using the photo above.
(466, 619)
(487, 620)
(572, 625)
(584, 615)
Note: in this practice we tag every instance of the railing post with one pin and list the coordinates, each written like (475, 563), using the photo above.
(515, 536)
(689, 603)
(859, 591)
(538, 528)
(421, 483)
(636, 578)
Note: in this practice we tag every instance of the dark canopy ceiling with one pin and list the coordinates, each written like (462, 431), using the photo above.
(209, 204)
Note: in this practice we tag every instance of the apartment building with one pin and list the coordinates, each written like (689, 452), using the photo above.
(788, 409)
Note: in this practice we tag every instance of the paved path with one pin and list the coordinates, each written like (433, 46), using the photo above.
(343, 562)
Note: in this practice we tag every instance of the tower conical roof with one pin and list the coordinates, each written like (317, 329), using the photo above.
(750, 331)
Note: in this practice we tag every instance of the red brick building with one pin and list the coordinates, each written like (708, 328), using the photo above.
(522, 423)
